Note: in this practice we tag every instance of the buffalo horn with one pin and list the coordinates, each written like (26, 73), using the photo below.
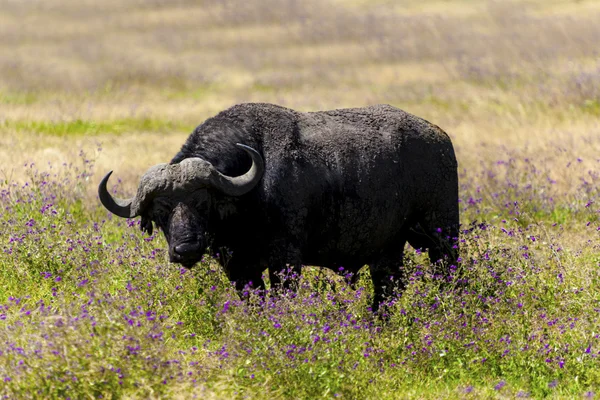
(239, 185)
(119, 207)
(188, 174)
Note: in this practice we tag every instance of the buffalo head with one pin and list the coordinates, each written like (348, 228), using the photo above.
(177, 198)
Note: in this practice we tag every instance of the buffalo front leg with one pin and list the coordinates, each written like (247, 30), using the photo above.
(246, 278)
(284, 265)
(437, 231)
(248, 283)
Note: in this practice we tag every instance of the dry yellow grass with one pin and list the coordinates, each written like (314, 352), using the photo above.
(493, 74)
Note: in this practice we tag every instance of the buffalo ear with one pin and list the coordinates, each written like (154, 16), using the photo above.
(146, 225)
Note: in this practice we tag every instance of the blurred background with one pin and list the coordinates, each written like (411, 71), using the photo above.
(135, 77)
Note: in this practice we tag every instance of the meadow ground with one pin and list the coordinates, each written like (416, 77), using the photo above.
(91, 308)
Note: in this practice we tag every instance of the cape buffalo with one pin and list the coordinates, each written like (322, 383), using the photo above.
(280, 188)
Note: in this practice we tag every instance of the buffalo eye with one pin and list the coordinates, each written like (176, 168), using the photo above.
(159, 213)
(162, 220)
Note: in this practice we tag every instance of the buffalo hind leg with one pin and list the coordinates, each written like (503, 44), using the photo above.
(440, 238)
(387, 274)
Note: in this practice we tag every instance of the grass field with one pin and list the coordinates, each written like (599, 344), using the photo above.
(91, 308)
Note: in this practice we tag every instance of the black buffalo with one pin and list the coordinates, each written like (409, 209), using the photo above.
(280, 188)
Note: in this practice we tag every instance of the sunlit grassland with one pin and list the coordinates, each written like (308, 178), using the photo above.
(90, 307)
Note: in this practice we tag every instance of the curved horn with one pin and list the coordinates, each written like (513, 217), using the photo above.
(119, 207)
(190, 173)
(239, 185)
(159, 178)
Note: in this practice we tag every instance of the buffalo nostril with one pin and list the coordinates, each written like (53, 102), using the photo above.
(186, 249)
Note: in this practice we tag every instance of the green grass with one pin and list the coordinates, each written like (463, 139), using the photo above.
(16, 98)
(90, 307)
(592, 107)
(90, 128)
